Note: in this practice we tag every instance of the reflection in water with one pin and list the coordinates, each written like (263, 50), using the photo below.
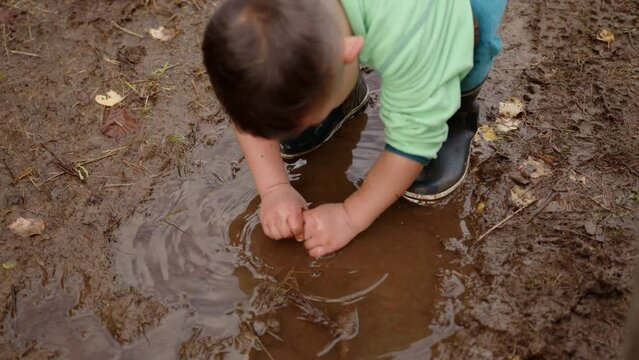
(199, 250)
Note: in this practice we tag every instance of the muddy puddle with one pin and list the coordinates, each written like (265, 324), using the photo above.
(199, 249)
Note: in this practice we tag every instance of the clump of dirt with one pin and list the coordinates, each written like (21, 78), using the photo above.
(554, 281)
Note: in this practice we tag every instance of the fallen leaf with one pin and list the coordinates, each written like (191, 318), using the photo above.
(506, 124)
(521, 196)
(487, 133)
(511, 108)
(118, 122)
(576, 177)
(534, 168)
(606, 35)
(111, 98)
(27, 227)
(590, 228)
(9, 264)
(549, 159)
(479, 208)
(164, 33)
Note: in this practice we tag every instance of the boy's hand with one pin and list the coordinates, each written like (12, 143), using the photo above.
(327, 228)
(281, 212)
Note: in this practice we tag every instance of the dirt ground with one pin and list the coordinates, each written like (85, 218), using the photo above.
(561, 189)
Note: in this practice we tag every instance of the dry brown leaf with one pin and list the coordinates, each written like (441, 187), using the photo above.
(606, 35)
(521, 196)
(111, 98)
(164, 33)
(503, 124)
(511, 108)
(27, 227)
(118, 122)
(534, 168)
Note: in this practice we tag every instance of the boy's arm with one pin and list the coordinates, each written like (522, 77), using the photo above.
(281, 209)
(330, 227)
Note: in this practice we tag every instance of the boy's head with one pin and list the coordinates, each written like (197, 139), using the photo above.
(274, 64)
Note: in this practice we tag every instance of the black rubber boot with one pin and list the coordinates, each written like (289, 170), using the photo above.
(445, 173)
(314, 136)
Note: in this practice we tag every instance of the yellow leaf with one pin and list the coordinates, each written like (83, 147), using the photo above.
(111, 98)
(9, 264)
(606, 35)
(479, 208)
(487, 133)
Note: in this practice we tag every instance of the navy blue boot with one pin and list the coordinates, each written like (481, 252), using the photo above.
(447, 172)
(314, 136)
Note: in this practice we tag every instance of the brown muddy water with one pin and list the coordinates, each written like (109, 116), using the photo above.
(199, 249)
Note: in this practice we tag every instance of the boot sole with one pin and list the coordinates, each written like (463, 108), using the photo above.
(350, 115)
(421, 199)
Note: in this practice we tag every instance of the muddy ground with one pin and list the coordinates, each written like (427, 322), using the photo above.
(551, 281)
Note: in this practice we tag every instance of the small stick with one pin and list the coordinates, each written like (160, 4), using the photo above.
(24, 53)
(53, 177)
(116, 185)
(505, 220)
(197, 93)
(126, 30)
(34, 184)
(4, 40)
(21, 176)
(29, 27)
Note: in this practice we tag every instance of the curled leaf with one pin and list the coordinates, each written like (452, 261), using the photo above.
(27, 227)
(606, 35)
(9, 264)
(163, 33)
(511, 108)
(111, 98)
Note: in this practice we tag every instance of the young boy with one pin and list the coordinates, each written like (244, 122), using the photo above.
(287, 73)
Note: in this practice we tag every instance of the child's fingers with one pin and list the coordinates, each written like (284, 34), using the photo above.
(296, 225)
(317, 252)
(312, 243)
(283, 229)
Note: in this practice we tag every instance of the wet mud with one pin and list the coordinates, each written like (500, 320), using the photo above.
(201, 249)
(158, 253)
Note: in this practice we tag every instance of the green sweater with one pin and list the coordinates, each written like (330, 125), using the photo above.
(422, 50)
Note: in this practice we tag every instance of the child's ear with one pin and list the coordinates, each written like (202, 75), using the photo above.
(352, 46)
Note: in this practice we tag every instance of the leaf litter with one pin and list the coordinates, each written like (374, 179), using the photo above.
(111, 98)
(118, 122)
(27, 227)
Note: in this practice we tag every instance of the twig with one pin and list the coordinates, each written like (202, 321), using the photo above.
(4, 40)
(505, 220)
(53, 177)
(108, 153)
(34, 184)
(63, 164)
(24, 53)
(126, 30)
(175, 226)
(117, 185)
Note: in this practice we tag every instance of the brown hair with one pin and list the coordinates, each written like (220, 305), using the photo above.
(270, 61)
